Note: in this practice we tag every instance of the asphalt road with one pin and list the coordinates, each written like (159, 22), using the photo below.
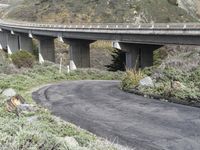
(103, 109)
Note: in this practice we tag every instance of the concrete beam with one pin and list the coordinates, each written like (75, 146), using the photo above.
(25, 42)
(46, 49)
(12, 43)
(138, 55)
(79, 53)
(3, 40)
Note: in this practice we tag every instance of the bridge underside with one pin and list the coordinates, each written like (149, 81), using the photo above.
(137, 55)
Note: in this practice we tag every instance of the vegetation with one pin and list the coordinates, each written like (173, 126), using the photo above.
(23, 59)
(70, 11)
(118, 61)
(174, 83)
(48, 72)
(41, 130)
(177, 76)
(131, 79)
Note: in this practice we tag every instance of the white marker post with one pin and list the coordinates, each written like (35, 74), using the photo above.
(60, 69)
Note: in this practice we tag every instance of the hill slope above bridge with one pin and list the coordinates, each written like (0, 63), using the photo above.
(70, 11)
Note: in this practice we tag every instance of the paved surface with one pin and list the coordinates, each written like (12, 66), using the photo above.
(143, 124)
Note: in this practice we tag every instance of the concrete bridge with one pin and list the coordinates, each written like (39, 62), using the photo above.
(138, 41)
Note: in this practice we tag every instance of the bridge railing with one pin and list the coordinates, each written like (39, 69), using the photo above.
(108, 26)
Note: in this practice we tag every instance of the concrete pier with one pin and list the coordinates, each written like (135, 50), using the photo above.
(137, 55)
(79, 52)
(12, 43)
(146, 55)
(25, 42)
(132, 58)
(3, 40)
(46, 49)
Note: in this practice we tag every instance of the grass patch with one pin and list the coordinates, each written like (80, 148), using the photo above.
(41, 130)
(131, 79)
(170, 83)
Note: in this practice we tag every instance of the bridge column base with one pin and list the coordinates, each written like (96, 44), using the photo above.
(79, 53)
(25, 42)
(46, 49)
(12, 43)
(3, 40)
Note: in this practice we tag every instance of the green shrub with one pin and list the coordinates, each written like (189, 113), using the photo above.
(131, 78)
(23, 59)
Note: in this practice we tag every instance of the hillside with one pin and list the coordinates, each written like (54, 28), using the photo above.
(191, 6)
(68, 11)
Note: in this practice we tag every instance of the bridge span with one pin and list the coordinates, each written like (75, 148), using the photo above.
(138, 41)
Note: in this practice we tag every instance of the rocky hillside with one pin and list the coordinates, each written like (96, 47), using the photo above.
(68, 11)
(10, 1)
(191, 6)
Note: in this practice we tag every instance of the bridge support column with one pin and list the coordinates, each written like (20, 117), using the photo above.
(79, 53)
(46, 49)
(25, 42)
(137, 55)
(12, 43)
(146, 56)
(132, 58)
(3, 40)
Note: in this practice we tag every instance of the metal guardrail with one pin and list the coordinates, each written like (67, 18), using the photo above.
(104, 26)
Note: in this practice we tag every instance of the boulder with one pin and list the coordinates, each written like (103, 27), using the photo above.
(177, 85)
(26, 108)
(147, 81)
(9, 92)
(32, 119)
(72, 143)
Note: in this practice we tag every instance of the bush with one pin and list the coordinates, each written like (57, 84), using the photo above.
(23, 59)
(131, 78)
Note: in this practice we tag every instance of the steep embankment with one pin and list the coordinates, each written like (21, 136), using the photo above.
(191, 6)
(68, 11)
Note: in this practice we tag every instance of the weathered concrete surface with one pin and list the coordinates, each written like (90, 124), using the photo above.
(25, 42)
(12, 43)
(46, 48)
(79, 52)
(137, 55)
(102, 108)
(3, 40)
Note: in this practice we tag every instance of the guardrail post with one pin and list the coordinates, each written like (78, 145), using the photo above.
(25, 42)
(46, 48)
(79, 53)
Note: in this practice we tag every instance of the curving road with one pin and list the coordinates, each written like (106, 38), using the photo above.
(143, 124)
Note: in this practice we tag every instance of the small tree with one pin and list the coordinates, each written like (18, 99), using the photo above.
(23, 59)
(118, 61)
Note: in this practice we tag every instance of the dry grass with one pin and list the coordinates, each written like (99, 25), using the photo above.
(102, 45)
(185, 58)
(132, 78)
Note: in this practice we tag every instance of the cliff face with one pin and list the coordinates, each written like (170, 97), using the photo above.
(191, 6)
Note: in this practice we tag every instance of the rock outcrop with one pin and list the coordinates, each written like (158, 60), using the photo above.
(191, 6)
